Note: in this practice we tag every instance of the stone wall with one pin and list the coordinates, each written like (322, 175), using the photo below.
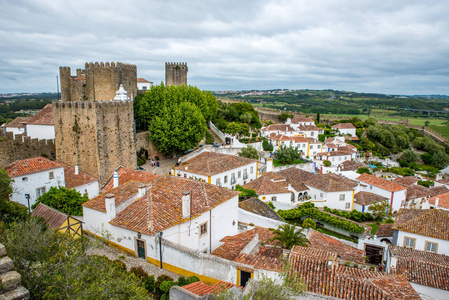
(98, 81)
(10, 287)
(96, 136)
(175, 73)
(17, 147)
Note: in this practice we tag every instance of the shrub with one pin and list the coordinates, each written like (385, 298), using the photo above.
(363, 170)
(308, 223)
(120, 265)
(158, 283)
(166, 286)
(327, 163)
(270, 204)
(148, 283)
(267, 146)
(209, 138)
(426, 183)
(141, 161)
(139, 272)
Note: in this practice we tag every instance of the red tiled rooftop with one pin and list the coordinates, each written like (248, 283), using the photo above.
(53, 217)
(30, 166)
(43, 117)
(331, 183)
(279, 127)
(264, 185)
(406, 180)
(125, 175)
(344, 126)
(434, 223)
(321, 241)
(201, 289)
(73, 180)
(142, 80)
(367, 198)
(18, 122)
(380, 182)
(443, 200)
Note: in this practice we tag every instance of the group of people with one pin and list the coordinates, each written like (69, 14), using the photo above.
(154, 163)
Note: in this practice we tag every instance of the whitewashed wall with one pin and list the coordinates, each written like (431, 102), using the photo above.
(420, 242)
(42, 132)
(92, 189)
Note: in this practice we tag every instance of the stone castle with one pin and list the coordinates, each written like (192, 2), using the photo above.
(92, 130)
(175, 73)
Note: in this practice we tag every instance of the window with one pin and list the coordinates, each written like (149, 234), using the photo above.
(273, 198)
(348, 205)
(51, 175)
(311, 147)
(25, 179)
(409, 242)
(226, 179)
(203, 229)
(245, 174)
(370, 187)
(217, 182)
(232, 178)
(431, 247)
(251, 170)
(321, 195)
(342, 197)
(40, 191)
(312, 133)
(303, 145)
(339, 158)
(239, 174)
(319, 146)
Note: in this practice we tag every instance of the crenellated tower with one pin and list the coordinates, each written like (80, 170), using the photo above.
(175, 73)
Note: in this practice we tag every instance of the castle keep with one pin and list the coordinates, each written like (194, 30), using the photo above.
(92, 130)
(175, 73)
(98, 81)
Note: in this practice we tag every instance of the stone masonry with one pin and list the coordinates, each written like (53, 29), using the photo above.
(175, 73)
(10, 280)
(98, 81)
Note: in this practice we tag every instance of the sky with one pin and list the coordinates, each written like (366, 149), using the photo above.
(390, 47)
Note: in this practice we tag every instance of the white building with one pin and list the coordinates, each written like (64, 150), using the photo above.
(296, 121)
(395, 193)
(278, 140)
(41, 125)
(218, 169)
(335, 157)
(363, 200)
(34, 177)
(332, 191)
(345, 128)
(315, 147)
(80, 181)
(143, 84)
(283, 129)
(16, 126)
(186, 212)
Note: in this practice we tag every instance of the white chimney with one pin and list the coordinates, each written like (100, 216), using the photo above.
(186, 204)
(141, 191)
(115, 178)
(77, 170)
(269, 165)
(436, 201)
(110, 206)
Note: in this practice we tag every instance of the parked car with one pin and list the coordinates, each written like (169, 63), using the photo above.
(216, 145)
(140, 168)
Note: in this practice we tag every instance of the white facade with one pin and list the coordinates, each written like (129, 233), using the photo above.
(314, 148)
(35, 185)
(421, 242)
(396, 199)
(92, 189)
(343, 200)
(144, 85)
(42, 132)
(228, 179)
(344, 131)
(335, 159)
(15, 130)
(281, 197)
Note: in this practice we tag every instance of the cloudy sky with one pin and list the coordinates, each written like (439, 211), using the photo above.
(393, 47)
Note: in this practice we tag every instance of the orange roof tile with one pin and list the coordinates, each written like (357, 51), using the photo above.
(344, 126)
(264, 185)
(321, 241)
(125, 175)
(367, 198)
(279, 127)
(72, 180)
(380, 182)
(211, 163)
(143, 80)
(331, 183)
(201, 289)
(43, 117)
(30, 166)
(53, 217)
(18, 122)
(443, 200)
(434, 223)
(406, 180)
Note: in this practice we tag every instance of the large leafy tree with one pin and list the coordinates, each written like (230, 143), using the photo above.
(409, 156)
(249, 152)
(178, 128)
(5, 185)
(9, 211)
(63, 199)
(287, 155)
(287, 236)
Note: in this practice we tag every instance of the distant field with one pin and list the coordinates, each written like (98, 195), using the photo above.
(444, 130)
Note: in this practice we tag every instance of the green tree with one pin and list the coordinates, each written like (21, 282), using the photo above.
(249, 152)
(363, 170)
(178, 128)
(380, 209)
(247, 117)
(318, 117)
(9, 211)
(209, 138)
(327, 163)
(245, 193)
(308, 223)
(287, 236)
(267, 146)
(426, 123)
(63, 199)
(440, 159)
(287, 155)
(427, 158)
(284, 116)
(5, 185)
(409, 156)
(369, 122)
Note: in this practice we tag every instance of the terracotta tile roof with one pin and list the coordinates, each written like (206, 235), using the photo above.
(279, 127)
(297, 120)
(30, 166)
(313, 140)
(406, 180)
(345, 252)
(443, 200)
(161, 207)
(422, 267)
(335, 153)
(320, 274)
(351, 138)
(44, 117)
(344, 126)
(79, 78)
(331, 183)
(405, 215)
(331, 145)
(264, 259)
(366, 198)
(417, 191)
(143, 80)
(308, 128)
(434, 223)
(329, 140)
(300, 139)
(233, 245)
(264, 185)
(72, 180)
(125, 175)
(349, 148)
(385, 230)
(296, 177)
(281, 137)
(380, 182)
(260, 208)
(349, 165)
(121, 193)
(18, 122)
(444, 180)
(201, 289)
(53, 217)
(211, 163)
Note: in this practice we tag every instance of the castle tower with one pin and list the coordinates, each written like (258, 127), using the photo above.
(97, 81)
(175, 73)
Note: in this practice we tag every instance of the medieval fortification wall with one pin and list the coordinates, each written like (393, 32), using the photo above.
(175, 73)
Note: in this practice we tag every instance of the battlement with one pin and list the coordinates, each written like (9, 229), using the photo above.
(176, 64)
(108, 65)
(91, 104)
(176, 73)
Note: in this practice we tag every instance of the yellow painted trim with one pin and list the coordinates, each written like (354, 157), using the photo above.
(209, 180)
(238, 278)
(112, 244)
(252, 275)
(308, 148)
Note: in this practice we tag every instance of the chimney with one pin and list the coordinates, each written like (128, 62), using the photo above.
(269, 165)
(77, 170)
(115, 179)
(186, 204)
(110, 206)
(439, 176)
(436, 201)
(141, 191)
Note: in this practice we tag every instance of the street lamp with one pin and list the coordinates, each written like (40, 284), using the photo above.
(27, 196)
(159, 235)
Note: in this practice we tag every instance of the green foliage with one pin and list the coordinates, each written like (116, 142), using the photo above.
(359, 132)
(363, 170)
(440, 159)
(426, 158)
(308, 223)
(63, 199)
(287, 155)
(249, 152)
(309, 211)
(401, 171)
(318, 117)
(238, 129)
(141, 160)
(327, 163)
(139, 272)
(287, 236)
(5, 185)
(270, 204)
(321, 137)
(354, 215)
(209, 138)
(267, 146)
(166, 286)
(284, 116)
(369, 122)
(245, 193)
(426, 183)
(9, 211)
(157, 284)
(409, 156)
(243, 115)
(380, 209)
